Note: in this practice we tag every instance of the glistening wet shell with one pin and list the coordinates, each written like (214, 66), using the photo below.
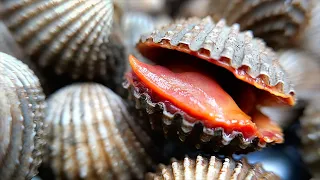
(67, 36)
(90, 137)
(279, 23)
(21, 124)
(210, 168)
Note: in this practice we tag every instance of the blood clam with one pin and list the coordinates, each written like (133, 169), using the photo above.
(210, 168)
(208, 84)
(21, 120)
(90, 136)
(278, 22)
(67, 36)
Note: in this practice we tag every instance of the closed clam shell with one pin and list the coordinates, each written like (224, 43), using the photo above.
(21, 120)
(303, 69)
(310, 40)
(203, 168)
(310, 136)
(90, 136)
(268, 19)
(67, 36)
(214, 42)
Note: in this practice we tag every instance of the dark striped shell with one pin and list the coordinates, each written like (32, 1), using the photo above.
(90, 136)
(67, 36)
(202, 168)
(310, 136)
(21, 120)
(278, 22)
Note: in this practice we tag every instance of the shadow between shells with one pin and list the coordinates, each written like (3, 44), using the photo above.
(109, 89)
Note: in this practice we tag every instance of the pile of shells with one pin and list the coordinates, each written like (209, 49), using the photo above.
(21, 120)
(212, 168)
(84, 130)
(90, 136)
(70, 37)
(278, 22)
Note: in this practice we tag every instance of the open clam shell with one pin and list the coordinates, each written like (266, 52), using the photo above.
(217, 43)
(90, 136)
(68, 37)
(21, 120)
(269, 20)
(310, 136)
(202, 168)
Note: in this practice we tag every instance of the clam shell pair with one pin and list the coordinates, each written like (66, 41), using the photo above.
(217, 42)
(278, 22)
(90, 136)
(21, 120)
(211, 168)
(70, 37)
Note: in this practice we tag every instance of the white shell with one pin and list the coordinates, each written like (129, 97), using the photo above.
(90, 135)
(67, 36)
(303, 70)
(21, 120)
(202, 168)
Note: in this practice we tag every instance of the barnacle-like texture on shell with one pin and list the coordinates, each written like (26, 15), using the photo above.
(310, 40)
(278, 22)
(303, 69)
(310, 136)
(68, 36)
(217, 42)
(21, 120)
(90, 135)
(202, 168)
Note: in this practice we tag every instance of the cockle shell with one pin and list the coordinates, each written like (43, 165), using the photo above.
(310, 136)
(310, 40)
(278, 22)
(303, 69)
(214, 41)
(21, 120)
(90, 136)
(67, 36)
(202, 168)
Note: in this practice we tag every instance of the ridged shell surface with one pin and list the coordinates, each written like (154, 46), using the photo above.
(215, 41)
(90, 135)
(303, 69)
(202, 168)
(278, 22)
(66, 36)
(310, 136)
(311, 36)
(21, 120)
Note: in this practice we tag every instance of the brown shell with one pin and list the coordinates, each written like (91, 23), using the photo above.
(268, 19)
(21, 120)
(302, 68)
(310, 136)
(310, 40)
(202, 168)
(68, 36)
(90, 136)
